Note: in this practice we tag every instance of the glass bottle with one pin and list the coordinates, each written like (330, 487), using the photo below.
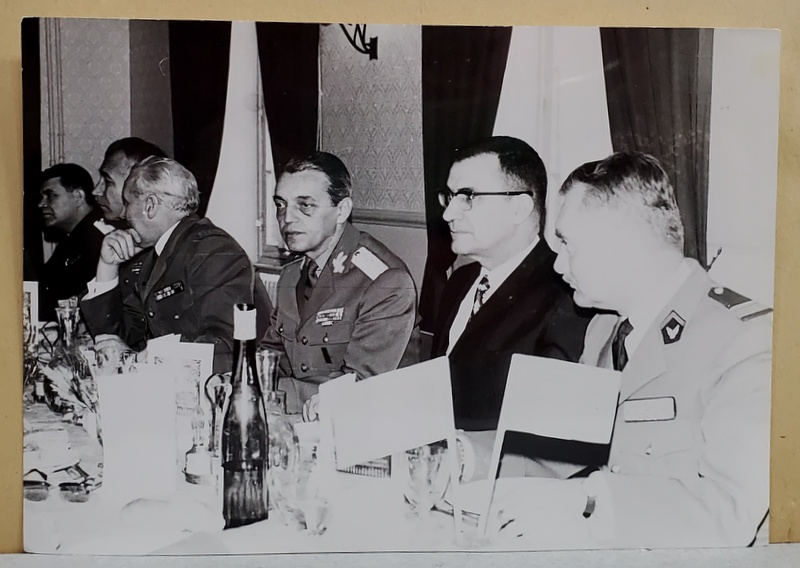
(244, 431)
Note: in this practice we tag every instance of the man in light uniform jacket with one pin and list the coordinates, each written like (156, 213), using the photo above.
(348, 305)
(689, 455)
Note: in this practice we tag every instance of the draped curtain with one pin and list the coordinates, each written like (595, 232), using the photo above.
(33, 255)
(462, 76)
(199, 63)
(658, 85)
(289, 58)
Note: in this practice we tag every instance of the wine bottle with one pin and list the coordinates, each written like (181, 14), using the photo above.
(245, 435)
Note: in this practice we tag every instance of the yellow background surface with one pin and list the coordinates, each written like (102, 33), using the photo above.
(782, 14)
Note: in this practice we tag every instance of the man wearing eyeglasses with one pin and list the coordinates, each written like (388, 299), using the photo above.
(170, 271)
(509, 300)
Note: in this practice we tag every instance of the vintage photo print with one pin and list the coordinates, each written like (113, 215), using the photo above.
(324, 287)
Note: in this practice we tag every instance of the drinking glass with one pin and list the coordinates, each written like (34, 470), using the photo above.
(305, 505)
(426, 475)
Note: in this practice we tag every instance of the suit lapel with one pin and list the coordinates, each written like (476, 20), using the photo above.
(502, 300)
(163, 260)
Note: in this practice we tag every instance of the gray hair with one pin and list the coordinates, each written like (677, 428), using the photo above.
(165, 178)
(635, 179)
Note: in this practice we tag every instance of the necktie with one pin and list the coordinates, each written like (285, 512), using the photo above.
(620, 354)
(483, 287)
(308, 278)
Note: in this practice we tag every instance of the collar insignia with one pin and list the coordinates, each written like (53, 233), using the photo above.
(672, 328)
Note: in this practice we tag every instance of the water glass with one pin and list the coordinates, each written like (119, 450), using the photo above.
(426, 474)
(306, 505)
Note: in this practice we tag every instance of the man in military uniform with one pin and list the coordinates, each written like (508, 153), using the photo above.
(689, 456)
(69, 214)
(171, 271)
(348, 305)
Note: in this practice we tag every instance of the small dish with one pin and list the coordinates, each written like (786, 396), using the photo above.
(74, 492)
(36, 490)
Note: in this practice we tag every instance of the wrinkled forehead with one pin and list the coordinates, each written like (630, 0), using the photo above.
(481, 173)
(306, 183)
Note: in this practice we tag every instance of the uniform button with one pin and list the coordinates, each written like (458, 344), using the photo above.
(615, 468)
(303, 367)
(151, 314)
(280, 328)
(177, 316)
(648, 450)
(325, 339)
(304, 341)
(127, 281)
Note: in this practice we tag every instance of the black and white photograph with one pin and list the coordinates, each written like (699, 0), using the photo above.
(335, 287)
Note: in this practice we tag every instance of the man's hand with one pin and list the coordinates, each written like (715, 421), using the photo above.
(310, 409)
(111, 352)
(118, 246)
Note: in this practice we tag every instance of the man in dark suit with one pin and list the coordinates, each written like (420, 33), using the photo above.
(171, 271)
(69, 215)
(509, 300)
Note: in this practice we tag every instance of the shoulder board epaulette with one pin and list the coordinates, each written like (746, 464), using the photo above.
(366, 261)
(741, 306)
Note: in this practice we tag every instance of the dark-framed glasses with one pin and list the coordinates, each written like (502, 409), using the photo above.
(465, 197)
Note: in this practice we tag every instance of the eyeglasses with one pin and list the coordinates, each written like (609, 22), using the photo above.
(468, 195)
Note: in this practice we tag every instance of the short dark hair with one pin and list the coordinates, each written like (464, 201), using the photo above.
(518, 161)
(634, 178)
(72, 177)
(135, 149)
(339, 184)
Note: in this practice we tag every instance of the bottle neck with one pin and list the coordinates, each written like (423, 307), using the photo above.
(244, 363)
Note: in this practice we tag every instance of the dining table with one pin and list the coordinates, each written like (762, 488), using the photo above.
(364, 513)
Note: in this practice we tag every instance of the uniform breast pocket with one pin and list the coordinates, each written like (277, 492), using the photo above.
(174, 303)
(331, 343)
(666, 448)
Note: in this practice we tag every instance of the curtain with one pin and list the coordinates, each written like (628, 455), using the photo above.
(199, 62)
(33, 255)
(658, 85)
(462, 76)
(289, 59)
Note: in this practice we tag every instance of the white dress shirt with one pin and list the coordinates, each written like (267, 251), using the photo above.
(496, 278)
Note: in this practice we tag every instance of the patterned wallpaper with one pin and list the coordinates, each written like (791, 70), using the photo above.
(371, 115)
(85, 89)
(151, 95)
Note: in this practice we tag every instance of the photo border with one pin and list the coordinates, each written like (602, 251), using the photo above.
(785, 443)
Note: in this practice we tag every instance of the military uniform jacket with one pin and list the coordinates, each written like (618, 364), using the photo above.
(689, 459)
(532, 313)
(358, 319)
(189, 289)
(72, 265)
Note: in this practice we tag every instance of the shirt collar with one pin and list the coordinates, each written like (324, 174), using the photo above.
(643, 317)
(162, 241)
(499, 274)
